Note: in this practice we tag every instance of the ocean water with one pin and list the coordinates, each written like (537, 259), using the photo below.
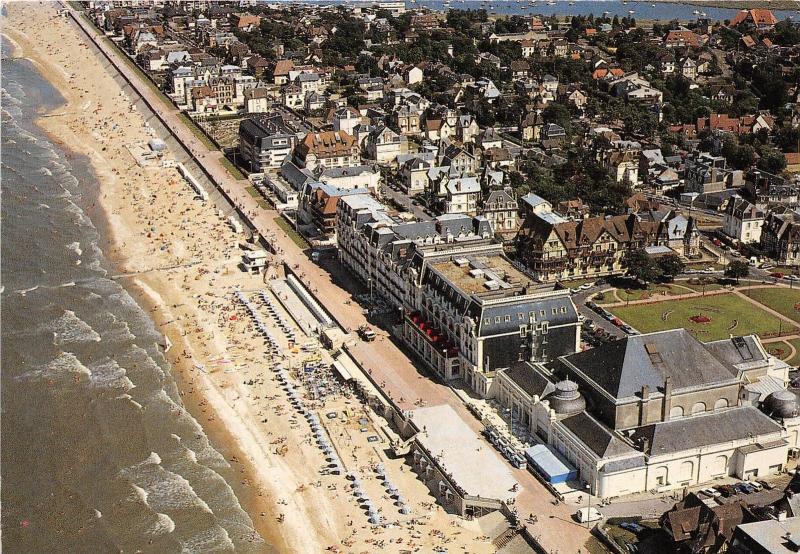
(98, 455)
(642, 10)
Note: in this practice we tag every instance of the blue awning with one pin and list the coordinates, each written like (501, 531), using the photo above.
(550, 464)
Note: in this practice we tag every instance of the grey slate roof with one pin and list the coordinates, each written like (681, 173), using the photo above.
(622, 367)
(739, 350)
(596, 436)
(557, 310)
(713, 428)
(530, 380)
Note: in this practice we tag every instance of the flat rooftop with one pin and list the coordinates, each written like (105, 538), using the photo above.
(474, 465)
(770, 534)
(478, 274)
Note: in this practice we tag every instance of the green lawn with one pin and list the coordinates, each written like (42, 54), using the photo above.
(232, 169)
(728, 313)
(652, 291)
(794, 360)
(779, 349)
(294, 235)
(779, 299)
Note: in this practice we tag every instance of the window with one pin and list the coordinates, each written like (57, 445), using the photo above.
(497, 319)
(545, 327)
(523, 330)
(698, 408)
(542, 313)
(508, 318)
(563, 309)
(555, 311)
(487, 320)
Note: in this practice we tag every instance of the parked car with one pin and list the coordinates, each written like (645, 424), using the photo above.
(755, 485)
(631, 526)
(743, 488)
(366, 333)
(711, 492)
(588, 514)
(777, 274)
(726, 490)
(768, 486)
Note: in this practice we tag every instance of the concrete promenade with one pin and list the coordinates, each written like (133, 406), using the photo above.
(389, 367)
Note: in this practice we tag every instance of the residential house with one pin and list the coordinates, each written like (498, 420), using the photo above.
(500, 208)
(319, 151)
(780, 236)
(346, 119)
(408, 120)
(384, 144)
(459, 160)
(462, 195)
(265, 142)
(759, 19)
(204, 101)
(554, 248)
(706, 174)
(743, 220)
(467, 128)
(414, 174)
(293, 97)
(531, 127)
(767, 189)
(681, 38)
(688, 68)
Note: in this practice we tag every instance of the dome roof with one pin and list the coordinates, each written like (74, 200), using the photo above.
(782, 403)
(566, 399)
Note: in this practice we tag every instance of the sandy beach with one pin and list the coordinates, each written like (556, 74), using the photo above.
(179, 258)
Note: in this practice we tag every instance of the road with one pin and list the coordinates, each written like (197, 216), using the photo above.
(403, 199)
(385, 361)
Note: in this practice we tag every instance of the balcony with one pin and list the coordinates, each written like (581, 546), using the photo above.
(437, 340)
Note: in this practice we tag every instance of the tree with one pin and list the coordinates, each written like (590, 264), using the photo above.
(642, 266)
(771, 161)
(737, 269)
(670, 266)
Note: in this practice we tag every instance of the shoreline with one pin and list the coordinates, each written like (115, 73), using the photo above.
(242, 473)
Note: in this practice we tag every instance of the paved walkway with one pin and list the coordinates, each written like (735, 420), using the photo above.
(387, 364)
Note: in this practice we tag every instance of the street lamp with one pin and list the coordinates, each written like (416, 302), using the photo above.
(589, 514)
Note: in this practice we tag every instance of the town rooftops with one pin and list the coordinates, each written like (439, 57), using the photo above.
(327, 144)
(482, 274)
(758, 17)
